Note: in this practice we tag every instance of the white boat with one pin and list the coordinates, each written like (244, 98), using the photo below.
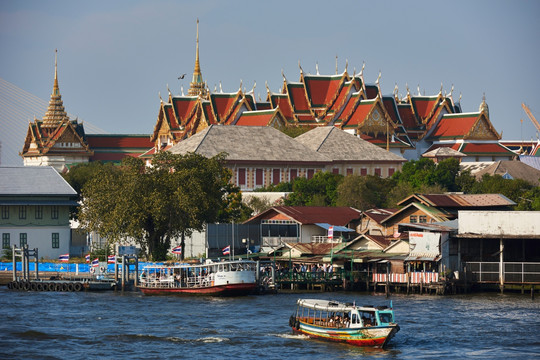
(223, 278)
(344, 322)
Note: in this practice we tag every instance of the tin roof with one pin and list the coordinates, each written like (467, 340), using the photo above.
(33, 180)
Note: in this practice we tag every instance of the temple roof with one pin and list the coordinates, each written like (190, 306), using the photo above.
(342, 146)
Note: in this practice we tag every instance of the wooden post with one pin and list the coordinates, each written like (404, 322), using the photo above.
(387, 279)
(14, 259)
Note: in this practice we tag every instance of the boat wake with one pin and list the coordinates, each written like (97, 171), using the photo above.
(145, 337)
(292, 336)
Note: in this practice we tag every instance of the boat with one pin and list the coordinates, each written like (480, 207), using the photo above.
(222, 278)
(344, 322)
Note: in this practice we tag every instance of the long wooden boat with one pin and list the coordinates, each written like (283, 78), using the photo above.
(344, 322)
(224, 278)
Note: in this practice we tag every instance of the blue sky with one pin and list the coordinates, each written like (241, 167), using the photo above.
(114, 57)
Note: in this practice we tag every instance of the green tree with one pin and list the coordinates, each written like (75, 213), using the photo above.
(320, 190)
(514, 189)
(174, 197)
(82, 173)
(363, 192)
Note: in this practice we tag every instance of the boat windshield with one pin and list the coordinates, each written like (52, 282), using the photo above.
(386, 317)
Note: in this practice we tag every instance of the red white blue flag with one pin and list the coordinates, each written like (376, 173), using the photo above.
(177, 250)
(95, 262)
(226, 250)
(87, 257)
(111, 259)
(64, 257)
(331, 233)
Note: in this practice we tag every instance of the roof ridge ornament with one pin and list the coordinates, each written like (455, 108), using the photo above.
(346, 64)
(336, 66)
(283, 74)
(300, 67)
(317, 67)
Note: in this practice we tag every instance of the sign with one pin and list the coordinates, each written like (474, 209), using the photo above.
(424, 243)
(127, 250)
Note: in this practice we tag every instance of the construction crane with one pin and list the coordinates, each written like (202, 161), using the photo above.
(531, 116)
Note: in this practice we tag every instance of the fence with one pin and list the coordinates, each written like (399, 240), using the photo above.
(513, 272)
(415, 278)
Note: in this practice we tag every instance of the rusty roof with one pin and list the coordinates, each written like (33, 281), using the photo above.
(308, 215)
(460, 200)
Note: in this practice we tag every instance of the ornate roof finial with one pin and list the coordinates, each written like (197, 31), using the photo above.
(336, 65)
(378, 78)
(354, 72)
(55, 113)
(283, 74)
(346, 64)
(363, 67)
(182, 89)
(460, 95)
(267, 88)
(254, 85)
(160, 99)
(483, 106)
(317, 67)
(300, 67)
(56, 90)
(197, 86)
(396, 89)
(440, 91)
(220, 88)
(168, 90)
(408, 91)
(240, 85)
(418, 89)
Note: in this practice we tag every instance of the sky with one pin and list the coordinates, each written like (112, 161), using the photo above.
(116, 57)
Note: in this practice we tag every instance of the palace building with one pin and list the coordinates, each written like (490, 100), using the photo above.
(408, 126)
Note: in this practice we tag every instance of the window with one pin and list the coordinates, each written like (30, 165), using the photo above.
(378, 172)
(54, 212)
(55, 240)
(422, 219)
(5, 212)
(259, 177)
(22, 212)
(413, 219)
(39, 211)
(363, 171)
(293, 174)
(391, 171)
(23, 239)
(5, 241)
(335, 171)
(276, 176)
(349, 171)
(241, 176)
(310, 173)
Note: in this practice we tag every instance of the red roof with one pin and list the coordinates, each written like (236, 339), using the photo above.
(306, 215)
(284, 104)
(407, 116)
(119, 141)
(184, 107)
(297, 94)
(452, 126)
(224, 105)
(322, 90)
(255, 118)
(360, 113)
(424, 106)
(485, 149)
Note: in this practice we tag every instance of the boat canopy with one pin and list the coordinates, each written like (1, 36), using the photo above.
(329, 305)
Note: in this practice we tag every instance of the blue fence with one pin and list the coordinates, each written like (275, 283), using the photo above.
(59, 267)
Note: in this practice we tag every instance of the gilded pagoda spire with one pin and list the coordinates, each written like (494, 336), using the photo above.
(55, 111)
(197, 86)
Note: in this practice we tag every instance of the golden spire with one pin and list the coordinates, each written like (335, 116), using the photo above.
(197, 86)
(55, 111)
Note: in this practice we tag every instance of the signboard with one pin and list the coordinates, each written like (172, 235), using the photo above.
(127, 250)
(424, 243)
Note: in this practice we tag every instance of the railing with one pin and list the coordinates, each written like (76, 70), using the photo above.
(415, 278)
(513, 272)
(325, 239)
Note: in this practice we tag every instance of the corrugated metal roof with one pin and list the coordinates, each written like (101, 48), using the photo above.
(33, 180)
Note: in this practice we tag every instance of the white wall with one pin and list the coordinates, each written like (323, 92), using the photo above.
(41, 238)
(494, 223)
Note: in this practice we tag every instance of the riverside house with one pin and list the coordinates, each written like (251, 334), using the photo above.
(34, 206)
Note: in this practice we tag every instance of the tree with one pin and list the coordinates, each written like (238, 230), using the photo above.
(177, 195)
(82, 173)
(363, 192)
(514, 189)
(320, 190)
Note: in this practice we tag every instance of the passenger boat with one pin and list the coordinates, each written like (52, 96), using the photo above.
(223, 278)
(344, 322)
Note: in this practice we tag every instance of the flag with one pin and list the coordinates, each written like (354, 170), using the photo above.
(177, 250)
(87, 257)
(226, 250)
(111, 259)
(331, 233)
(95, 262)
(64, 257)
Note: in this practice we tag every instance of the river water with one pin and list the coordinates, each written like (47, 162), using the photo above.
(109, 325)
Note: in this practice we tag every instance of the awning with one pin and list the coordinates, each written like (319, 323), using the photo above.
(336, 227)
(39, 202)
(423, 258)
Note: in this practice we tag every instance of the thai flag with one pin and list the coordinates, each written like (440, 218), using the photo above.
(87, 257)
(95, 262)
(331, 233)
(226, 250)
(177, 250)
(111, 259)
(64, 257)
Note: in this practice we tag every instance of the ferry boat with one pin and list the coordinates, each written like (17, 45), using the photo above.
(344, 322)
(223, 278)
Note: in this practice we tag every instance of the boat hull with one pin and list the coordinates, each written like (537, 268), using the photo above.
(367, 336)
(218, 290)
